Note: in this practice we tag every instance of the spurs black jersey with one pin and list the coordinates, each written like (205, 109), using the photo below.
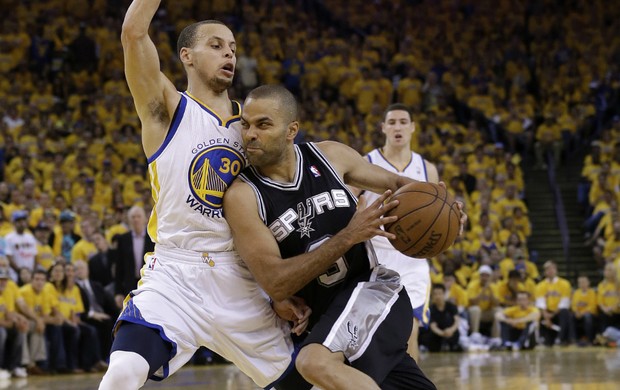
(304, 214)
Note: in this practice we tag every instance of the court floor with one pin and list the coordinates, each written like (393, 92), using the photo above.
(560, 368)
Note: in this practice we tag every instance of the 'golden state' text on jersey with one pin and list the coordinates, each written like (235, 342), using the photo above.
(200, 157)
(304, 214)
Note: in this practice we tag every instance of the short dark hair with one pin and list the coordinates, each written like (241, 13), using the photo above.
(187, 37)
(398, 107)
(281, 94)
(439, 286)
(39, 271)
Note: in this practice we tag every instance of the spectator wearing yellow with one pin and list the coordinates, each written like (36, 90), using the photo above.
(608, 299)
(45, 255)
(516, 262)
(553, 299)
(364, 90)
(69, 305)
(455, 293)
(519, 323)
(505, 207)
(584, 308)
(548, 140)
(508, 288)
(44, 320)
(12, 330)
(483, 302)
(611, 248)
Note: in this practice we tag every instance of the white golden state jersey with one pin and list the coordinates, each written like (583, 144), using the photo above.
(416, 169)
(200, 157)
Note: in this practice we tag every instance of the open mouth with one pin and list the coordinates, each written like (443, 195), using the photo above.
(229, 68)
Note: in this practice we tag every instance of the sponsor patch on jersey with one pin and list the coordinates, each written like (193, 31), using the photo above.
(315, 171)
(211, 172)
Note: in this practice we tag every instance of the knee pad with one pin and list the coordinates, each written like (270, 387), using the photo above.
(127, 370)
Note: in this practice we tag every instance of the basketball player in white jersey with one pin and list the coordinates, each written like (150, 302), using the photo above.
(195, 290)
(396, 156)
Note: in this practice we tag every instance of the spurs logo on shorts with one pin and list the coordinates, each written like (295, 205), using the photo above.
(353, 333)
(211, 172)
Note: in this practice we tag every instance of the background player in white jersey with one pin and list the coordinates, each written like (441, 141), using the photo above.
(194, 289)
(396, 156)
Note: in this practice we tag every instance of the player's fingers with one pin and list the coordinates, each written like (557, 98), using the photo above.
(390, 219)
(442, 184)
(379, 201)
(388, 235)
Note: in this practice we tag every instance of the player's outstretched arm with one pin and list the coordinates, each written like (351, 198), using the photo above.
(155, 96)
(358, 172)
(258, 247)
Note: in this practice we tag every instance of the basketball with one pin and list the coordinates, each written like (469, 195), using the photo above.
(428, 220)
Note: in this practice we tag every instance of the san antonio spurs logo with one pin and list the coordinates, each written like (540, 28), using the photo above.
(305, 217)
(211, 172)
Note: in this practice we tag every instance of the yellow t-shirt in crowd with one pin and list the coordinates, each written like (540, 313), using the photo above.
(486, 294)
(584, 302)
(607, 295)
(550, 293)
(70, 302)
(41, 303)
(516, 312)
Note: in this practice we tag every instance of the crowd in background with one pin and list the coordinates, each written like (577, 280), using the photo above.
(492, 85)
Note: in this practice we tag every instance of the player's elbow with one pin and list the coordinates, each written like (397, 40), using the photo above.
(131, 33)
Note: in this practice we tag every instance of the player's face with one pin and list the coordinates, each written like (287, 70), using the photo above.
(398, 128)
(265, 131)
(213, 56)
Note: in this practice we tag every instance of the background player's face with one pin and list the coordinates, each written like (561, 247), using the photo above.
(398, 128)
(265, 131)
(212, 58)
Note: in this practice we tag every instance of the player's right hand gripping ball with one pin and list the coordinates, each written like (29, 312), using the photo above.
(428, 220)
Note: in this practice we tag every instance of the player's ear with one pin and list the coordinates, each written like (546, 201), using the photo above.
(383, 127)
(185, 54)
(293, 129)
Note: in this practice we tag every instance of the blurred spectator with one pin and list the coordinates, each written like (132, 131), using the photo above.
(65, 243)
(21, 246)
(442, 333)
(12, 332)
(548, 141)
(84, 249)
(608, 299)
(100, 265)
(37, 308)
(553, 299)
(45, 255)
(129, 254)
(68, 307)
(99, 307)
(483, 302)
(519, 323)
(584, 310)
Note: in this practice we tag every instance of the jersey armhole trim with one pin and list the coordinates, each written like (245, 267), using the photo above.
(174, 125)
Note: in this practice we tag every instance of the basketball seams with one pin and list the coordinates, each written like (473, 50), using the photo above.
(425, 241)
(430, 226)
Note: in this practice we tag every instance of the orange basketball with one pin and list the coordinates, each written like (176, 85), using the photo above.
(428, 220)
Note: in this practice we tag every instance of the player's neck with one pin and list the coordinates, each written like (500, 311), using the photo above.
(217, 101)
(399, 156)
(282, 171)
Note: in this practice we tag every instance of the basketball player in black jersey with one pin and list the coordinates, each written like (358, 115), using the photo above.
(301, 233)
